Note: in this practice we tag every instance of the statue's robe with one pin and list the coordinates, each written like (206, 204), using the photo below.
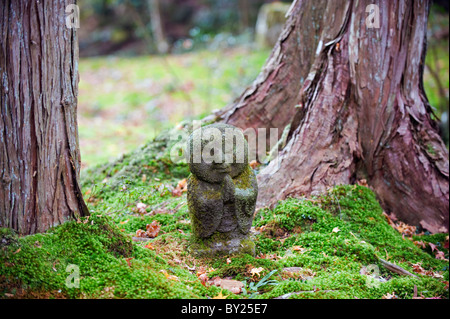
(210, 211)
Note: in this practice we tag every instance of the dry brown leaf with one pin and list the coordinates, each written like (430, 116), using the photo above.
(129, 261)
(433, 246)
(390, 296)
(254, 164)
(180, 189)
(203, 278)
(419, 244)
(300, 249)
(141, 208)
(363, 182)
(153, 229)
(440, 255)
(171, 277)
(201, 270)
(141, 233)
(256, 271)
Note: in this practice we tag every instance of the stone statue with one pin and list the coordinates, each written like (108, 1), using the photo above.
(221, 191)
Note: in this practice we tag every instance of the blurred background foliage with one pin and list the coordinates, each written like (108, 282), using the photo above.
(145, 65)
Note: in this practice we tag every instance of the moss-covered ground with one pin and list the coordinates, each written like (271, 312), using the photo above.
(329, 238)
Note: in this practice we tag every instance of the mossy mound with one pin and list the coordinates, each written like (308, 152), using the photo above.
(328, 239)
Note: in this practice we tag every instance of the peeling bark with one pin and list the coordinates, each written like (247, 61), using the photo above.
(355, 100)
(39, 158)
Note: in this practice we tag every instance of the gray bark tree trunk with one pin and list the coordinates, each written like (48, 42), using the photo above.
(353, 95)
(157, 27)
(39, 151)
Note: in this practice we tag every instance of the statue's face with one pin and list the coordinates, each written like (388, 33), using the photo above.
(215, 151)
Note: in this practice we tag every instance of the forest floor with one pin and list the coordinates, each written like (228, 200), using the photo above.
(331, 246)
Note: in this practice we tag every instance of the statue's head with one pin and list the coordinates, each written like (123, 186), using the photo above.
(215, 151)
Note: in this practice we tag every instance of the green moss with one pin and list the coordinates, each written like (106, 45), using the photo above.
(331, 237)
(239, 266)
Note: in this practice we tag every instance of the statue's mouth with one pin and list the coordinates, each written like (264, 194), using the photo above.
(221, 168)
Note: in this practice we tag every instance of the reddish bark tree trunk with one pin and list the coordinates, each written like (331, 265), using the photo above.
(354, 97)
(39, 157)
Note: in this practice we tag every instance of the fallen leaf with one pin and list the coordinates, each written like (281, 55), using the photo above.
(153, 229)
(446, 285)
(433, 246)
(361, 182)
(181, 188)
(390, 296)
(440, 255)
(141, 233)
(141, 208)
(419, 244)
(149, 246)
(173, 277)
(17, 251)
(182, 184)
(256, 271)
(124, 222)
(203, 279)
(299, 249)
(170, 277)
(420, 270)
(129, 261)
(220, 296)
(389, 220)
(254, 164)
(176, 193)
(336, 229)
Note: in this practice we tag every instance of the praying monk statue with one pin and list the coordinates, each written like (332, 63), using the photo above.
(221, 191)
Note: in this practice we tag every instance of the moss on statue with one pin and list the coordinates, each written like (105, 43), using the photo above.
(221, 195)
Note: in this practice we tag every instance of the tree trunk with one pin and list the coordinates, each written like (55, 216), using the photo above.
(39, 158)
(353, 94)
(157, 27)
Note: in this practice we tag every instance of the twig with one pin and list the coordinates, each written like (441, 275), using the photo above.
(394, 268)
